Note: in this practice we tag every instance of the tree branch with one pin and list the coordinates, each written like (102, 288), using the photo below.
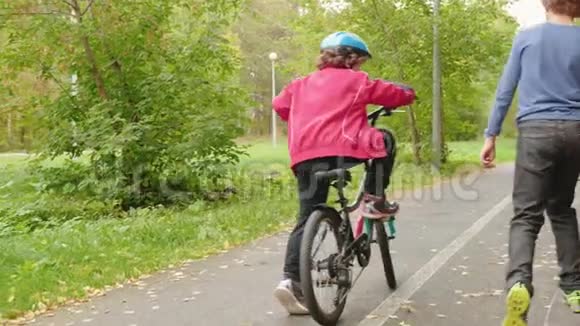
(61, 86)
(70, 4)
(88, 7)
(34, 14)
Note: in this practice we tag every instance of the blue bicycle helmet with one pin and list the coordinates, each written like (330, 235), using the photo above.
(345, 39)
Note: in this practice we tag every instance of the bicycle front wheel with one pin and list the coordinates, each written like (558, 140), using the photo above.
(383, 241)
(324, 293)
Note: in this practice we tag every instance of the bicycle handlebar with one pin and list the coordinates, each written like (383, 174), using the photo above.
(383, 111)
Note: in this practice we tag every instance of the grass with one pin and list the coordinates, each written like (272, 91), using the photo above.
(469, 150)
(263, 156)
(46, 268)
(49, 267)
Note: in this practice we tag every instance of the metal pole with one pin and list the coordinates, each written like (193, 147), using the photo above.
(274, 142)
(437, 101)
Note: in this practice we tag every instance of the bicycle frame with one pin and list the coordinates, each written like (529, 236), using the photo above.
(346, 209)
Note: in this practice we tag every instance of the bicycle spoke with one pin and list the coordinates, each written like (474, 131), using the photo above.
(352, 285)
(323, 236)
(325, 287)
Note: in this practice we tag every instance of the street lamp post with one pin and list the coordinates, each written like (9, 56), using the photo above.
(273, 57)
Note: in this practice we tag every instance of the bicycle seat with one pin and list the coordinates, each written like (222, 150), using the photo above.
(334, 175)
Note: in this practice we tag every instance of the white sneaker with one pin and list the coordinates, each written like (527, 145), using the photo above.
(289, 294)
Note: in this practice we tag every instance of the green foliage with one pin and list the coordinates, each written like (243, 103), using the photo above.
(156, 105)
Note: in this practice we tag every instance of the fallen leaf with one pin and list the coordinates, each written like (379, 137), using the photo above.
(407, 308)
(442, 316)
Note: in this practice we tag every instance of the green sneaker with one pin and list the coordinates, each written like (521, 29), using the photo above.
(517, 304)
(573, 300)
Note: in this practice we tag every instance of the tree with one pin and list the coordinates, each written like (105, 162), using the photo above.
(157, 102)
(264, 26)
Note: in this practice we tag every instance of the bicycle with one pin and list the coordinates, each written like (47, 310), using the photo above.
(335, 269)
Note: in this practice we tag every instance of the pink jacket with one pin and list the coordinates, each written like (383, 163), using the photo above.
(326, 114)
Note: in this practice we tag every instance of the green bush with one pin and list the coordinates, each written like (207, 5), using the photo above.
(157, 103)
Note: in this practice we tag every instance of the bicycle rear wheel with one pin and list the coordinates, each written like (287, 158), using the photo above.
(324, 295)
(383, 241)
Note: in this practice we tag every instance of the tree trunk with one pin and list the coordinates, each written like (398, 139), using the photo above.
(9, 129)
(437, 133)
(117, 67)
(415, 138)
(90, 54)
(22, 137)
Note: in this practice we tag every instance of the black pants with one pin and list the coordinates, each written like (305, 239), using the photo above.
(313, 192)
(547, 167)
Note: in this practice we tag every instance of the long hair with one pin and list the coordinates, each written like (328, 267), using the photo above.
(341, 57)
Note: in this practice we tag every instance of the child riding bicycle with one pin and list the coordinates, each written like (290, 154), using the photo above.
(328, 129)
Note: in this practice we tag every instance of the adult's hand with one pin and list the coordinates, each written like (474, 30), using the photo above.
(487, 156)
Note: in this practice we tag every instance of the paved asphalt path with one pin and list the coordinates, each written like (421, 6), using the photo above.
(449, 257)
